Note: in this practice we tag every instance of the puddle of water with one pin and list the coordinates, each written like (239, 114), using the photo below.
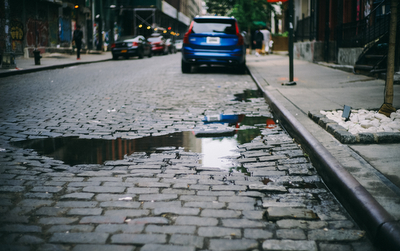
(248, 94)
(216, 151)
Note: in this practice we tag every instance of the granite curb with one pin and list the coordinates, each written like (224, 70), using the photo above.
(345, 137)
(383, 229)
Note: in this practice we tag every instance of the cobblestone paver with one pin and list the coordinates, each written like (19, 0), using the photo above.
(166, 200)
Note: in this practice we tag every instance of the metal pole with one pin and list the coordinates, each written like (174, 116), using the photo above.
(101, 26)
(154, 16)
(93, 37)
(291, 11)
(8, 59)
(311, 21)
(134, 23)
(7, 26)
(327, 30)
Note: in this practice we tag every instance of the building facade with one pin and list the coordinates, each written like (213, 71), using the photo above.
(40, 24)
(347, 32)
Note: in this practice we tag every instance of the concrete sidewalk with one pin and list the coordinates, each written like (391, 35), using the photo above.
(53, 61)
(319, 87)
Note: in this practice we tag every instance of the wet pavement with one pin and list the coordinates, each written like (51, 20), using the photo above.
(161, 196)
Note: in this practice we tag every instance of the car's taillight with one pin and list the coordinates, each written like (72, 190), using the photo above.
(240, 37)
(186, 37)
(113, 45)
(135, 43)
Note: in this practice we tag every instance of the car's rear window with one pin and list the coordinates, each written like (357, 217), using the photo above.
(154, 39)
(226, 26)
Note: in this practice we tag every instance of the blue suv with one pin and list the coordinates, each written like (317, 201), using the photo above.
(213, 40)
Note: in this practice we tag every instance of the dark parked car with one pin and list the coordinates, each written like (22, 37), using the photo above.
(158, 44)
(213, 40)
(131, 46)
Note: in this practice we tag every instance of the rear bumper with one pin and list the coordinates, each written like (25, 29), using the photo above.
(221, 57)
(158, 48)
(129, 51)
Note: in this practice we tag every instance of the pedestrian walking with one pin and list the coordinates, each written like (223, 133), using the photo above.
(267, 38)
(78, 35)
(258, 40)
(247, 41)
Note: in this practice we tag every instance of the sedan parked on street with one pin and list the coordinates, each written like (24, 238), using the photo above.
(158, 44)
(178, 44)
(130, 47)
(213, 40)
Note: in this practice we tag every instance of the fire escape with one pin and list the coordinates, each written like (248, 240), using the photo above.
(371, 33)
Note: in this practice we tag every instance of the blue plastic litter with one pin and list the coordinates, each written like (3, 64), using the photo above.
(221, 118)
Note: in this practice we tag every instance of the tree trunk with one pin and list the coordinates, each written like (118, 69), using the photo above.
(391, 52)
(387, 107)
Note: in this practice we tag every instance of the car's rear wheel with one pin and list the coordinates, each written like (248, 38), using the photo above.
(186, 68)
(150, 54)
(114, 57)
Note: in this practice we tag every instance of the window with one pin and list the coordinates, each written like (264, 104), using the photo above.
(226, 26)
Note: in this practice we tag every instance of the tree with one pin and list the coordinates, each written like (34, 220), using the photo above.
(219, 7)
(387, 108)
(249, 12)
(245, 11)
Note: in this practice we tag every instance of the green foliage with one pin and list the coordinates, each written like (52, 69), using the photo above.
(220, 7)
(248, 13)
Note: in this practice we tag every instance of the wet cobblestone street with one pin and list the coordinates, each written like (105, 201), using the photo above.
(165, 199)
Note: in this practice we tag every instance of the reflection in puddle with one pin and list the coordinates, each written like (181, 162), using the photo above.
(215, 151)
(248, 94)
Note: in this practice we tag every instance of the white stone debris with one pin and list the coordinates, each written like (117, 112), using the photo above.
(362, 121)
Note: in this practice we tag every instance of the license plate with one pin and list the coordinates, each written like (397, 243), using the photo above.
(213, 40)
(124, 51)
